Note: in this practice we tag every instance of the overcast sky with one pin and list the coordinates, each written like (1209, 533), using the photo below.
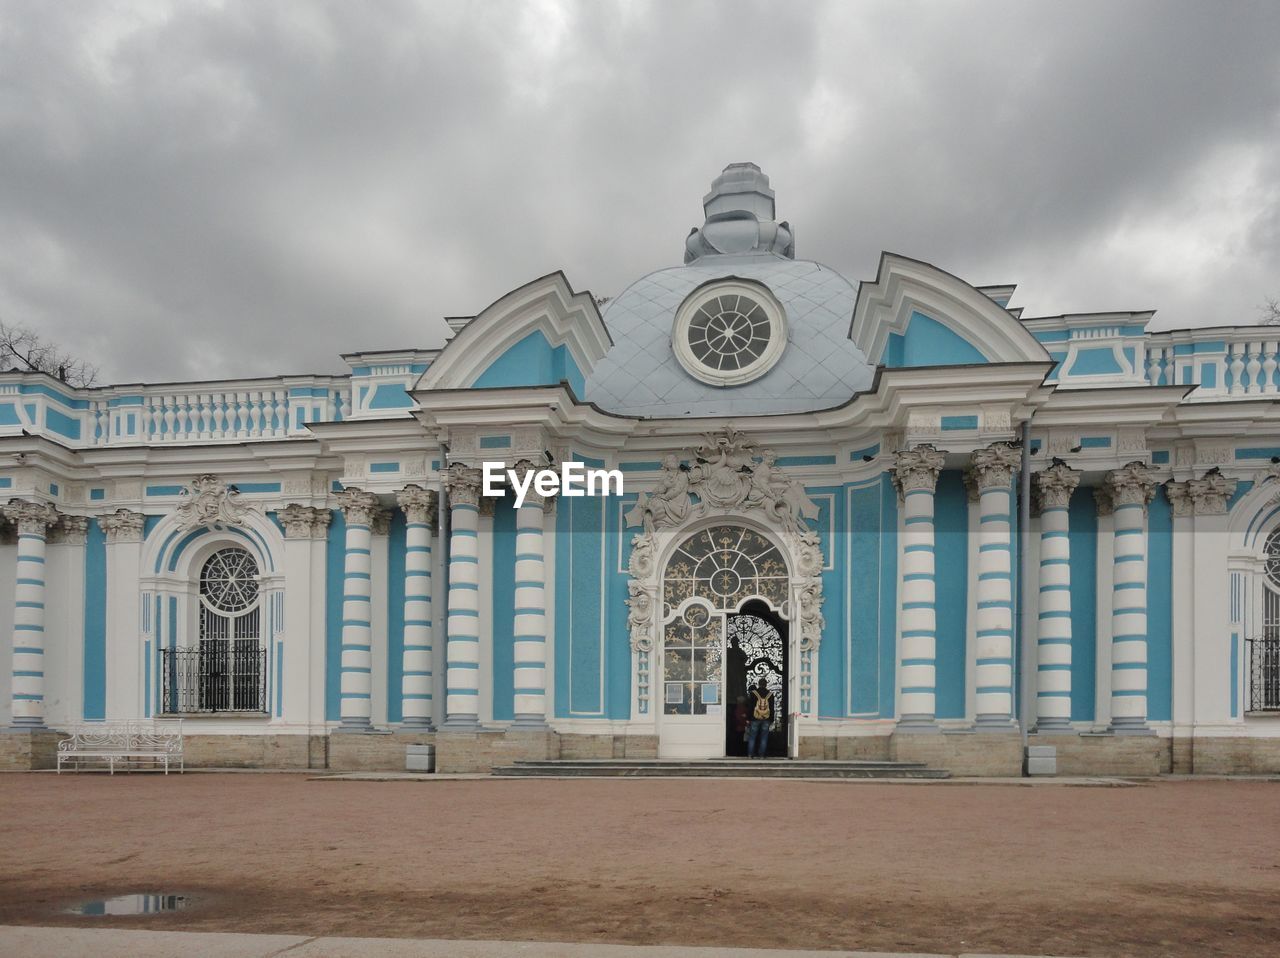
(199, 190)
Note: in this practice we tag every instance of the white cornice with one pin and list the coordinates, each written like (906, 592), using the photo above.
(903, 286)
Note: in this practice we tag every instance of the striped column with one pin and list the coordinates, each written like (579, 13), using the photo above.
(915, 474)
(531, 610)
(419, 507)
(1054, 487)
(356, 681)
(462, 649)
(992, 471)
(32, 520)
(1128, 491)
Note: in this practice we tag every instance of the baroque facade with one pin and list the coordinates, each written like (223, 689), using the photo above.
(929, 524)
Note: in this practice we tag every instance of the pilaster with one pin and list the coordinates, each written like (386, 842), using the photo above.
(356, 683)
(462, 650)
(417, 702)
(992, 470)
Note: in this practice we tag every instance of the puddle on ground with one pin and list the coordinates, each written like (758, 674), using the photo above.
(131, 905)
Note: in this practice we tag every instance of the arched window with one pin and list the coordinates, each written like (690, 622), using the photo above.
(720, 567)
(226, 672)
(1264, 649)
(725, 565)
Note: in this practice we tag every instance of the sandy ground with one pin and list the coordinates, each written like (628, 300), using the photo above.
(1168, 868)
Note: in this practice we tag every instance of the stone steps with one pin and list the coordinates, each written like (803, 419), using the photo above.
(714, 768)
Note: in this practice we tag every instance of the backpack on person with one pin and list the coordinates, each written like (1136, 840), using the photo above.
(762, 708)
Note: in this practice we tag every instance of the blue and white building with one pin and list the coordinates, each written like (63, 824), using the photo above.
(825, 483)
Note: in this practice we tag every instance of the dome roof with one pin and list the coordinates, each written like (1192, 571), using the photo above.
(820, 367)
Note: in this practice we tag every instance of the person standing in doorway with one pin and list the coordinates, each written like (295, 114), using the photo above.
(761, 720)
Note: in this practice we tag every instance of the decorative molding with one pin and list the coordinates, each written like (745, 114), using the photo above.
(995, 466)
(728, 473)
(1210, 493)
(419, 504)
(463, 483)
(208, 501)
(122, 526)
(30, 518)
(357, 505)
(1132, 484)
(380, 522)
(1053, 486)
(531, 498)
(917, 468)
(1102, 500)
(304, 522)
(1179, 495)
(70, 530)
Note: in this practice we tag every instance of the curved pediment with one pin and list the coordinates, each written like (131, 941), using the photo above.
(539, 334)
(915, 314)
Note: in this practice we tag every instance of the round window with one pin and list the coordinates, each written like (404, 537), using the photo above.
(729, 333)
(228, 581)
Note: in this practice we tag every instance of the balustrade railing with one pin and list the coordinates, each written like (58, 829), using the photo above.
(1238, 367)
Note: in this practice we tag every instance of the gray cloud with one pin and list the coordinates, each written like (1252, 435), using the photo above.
(198, 190)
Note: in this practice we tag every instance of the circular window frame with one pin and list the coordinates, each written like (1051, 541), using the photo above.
(768, 358)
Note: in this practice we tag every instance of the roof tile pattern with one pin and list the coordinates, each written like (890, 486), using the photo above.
(821, 367)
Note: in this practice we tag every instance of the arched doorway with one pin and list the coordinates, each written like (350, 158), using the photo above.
(755, 649)
(720, 582)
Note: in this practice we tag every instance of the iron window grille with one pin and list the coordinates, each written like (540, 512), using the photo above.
(218, 676)
(1264, 672)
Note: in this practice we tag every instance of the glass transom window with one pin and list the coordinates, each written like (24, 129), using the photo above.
(728, 333)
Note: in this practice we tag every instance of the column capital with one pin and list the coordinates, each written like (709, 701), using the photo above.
(1211, 492)
(1179, 495)
(917, 468)
(358, 506)
(1054, 485)
(532, 498)
(463, 483)
(31, 518)
(70, 530)
(304, 522)
(1131, 485)
(994, 466)
(123, 526)
(419, 504)
(380, 522)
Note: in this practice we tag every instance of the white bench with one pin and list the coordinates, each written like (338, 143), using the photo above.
(125, 743)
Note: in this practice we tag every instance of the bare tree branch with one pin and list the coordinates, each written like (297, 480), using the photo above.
(1270, 311)
(21, 348)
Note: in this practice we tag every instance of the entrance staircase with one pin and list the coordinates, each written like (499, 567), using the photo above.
(715, 768)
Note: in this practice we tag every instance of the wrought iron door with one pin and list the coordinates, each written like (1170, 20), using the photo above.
(756, 648)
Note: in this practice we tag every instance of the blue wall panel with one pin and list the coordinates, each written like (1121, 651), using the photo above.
(951, 524)
(888, 598)
(1159, 610)
(579, 619)
(335, 556)
(95, 624)
(395, 615)
(1083, 530)
(865, 583)
(504, 608)
(928, 342)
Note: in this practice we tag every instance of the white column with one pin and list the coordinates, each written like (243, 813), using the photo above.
(27, 691)
(530, 630)
(419, 507)
(356, 682)
(302, 682)
(126, 662)
(992, 471)
(462, 650)
(915, 474)
(1129, 489)
(1054, 487)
